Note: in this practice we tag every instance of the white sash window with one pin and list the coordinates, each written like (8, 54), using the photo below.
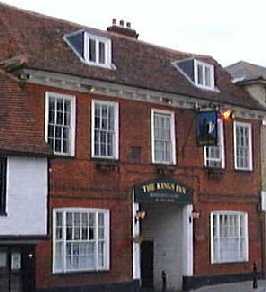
(81, 240)
(229, 236)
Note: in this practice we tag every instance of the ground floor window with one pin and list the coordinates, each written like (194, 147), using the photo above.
(80, 240)
(229, 236)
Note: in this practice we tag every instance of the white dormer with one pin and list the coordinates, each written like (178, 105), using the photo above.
(97, 50)
(203, 75)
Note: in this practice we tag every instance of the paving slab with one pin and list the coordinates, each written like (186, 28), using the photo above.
(234, 287)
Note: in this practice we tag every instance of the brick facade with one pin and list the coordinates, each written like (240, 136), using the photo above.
(85, 182)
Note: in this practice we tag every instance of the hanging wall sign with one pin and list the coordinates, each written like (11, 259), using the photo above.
(162, 190)
(206, 128)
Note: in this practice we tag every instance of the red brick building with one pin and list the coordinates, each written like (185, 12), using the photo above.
(124, 121)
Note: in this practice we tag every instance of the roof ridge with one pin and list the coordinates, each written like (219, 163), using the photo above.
(78, 25)
(38, 14)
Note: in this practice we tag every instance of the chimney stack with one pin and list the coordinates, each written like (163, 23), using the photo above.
(123, 29)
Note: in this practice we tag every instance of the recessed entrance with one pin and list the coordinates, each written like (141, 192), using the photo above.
(17, 269)
(162, 246)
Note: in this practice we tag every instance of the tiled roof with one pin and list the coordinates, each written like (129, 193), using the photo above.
(21, 130)
(244, 71)
(40, 40)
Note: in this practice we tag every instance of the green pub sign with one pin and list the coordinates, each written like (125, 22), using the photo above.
(163, 190)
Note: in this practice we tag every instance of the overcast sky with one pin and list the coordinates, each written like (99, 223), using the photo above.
(229, 30)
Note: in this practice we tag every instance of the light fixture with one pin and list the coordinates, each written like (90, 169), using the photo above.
(227, 114)
(194, 215)
(140, 215)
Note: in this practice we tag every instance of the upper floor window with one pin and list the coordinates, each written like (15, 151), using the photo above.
(163, 137)
(80, 240)
(214, 155)
(229, 236)
(60, 123)
(3, 163)
(97, 50)
(104, 129)
(242, 146)
(204, 75)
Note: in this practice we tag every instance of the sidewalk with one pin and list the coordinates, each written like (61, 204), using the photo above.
(234, 287)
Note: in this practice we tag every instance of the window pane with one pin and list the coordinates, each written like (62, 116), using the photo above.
(59, 256)
(92, 50)
(101, 246)
(207, 76)
(3, 259)
(200, 74)
(102, 53)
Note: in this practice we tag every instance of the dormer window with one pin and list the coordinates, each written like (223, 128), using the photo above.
(204, 75)
(97, 50)
(199, 73)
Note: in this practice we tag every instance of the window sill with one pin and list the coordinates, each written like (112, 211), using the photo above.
(73, 273)
(243, 170)
(230, 263)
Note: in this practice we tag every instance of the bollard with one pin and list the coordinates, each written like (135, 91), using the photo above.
(164, 281)
(255, 276)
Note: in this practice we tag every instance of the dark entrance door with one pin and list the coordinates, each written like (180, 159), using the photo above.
(147, 264)
(16, 269)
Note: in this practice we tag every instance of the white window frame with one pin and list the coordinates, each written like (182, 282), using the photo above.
(173, 139)
(116, 128)
(205, 65)
(250, 162)
(108, 50)
(106, 212)
(72, 100)
(246, 250)
(220, 144)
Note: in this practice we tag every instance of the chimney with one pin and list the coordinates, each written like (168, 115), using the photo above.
(123, 29)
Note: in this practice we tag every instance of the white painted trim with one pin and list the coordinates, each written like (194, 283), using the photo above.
(220, 144)
(250, 162)
(108, 50)
(116, 128)
(188, 252)
(173, 137)
(263, 201)
(205, 65)
(72, 100)
(230, 212)
(107, 237)
(8, 179)
(136, 245)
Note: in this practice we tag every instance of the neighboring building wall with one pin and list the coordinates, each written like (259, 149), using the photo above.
(257, 91)
(26, 197)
